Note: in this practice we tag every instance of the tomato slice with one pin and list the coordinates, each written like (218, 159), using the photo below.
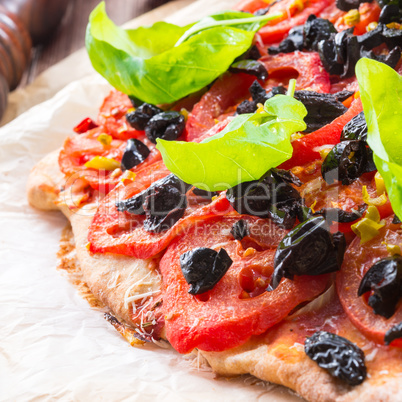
(112, 116)
(304, 149)
(250, 6)
(117, 232)
(369, 12)
(305, 67)
(358, 259)
(238, 305)
(226, 92)
(79, 149)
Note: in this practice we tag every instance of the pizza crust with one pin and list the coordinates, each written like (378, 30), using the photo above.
(110, 276)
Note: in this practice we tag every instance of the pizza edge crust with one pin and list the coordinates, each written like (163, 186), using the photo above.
(254, 357)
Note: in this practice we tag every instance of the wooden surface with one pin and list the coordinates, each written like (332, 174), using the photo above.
(70, 35)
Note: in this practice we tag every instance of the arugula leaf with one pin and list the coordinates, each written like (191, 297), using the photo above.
(381, 95)
(145, 63)
(249, 146)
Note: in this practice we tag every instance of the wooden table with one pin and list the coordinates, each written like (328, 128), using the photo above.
(70, 36)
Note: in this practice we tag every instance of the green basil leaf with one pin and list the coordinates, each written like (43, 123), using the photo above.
(381, 95)
(249, 146)
(145, 63)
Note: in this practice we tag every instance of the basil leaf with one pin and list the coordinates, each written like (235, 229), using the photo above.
(145, 63)
(249, 146)
(381, 95)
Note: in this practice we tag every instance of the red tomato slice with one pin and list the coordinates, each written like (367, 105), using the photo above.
(79, 149)
(304, 148)
(251, 6)
(227, 91)
(238, 305)
(305, 67)
(117, 232)
(358, 259)
(112, 116)
(294, 13)
(369, 12)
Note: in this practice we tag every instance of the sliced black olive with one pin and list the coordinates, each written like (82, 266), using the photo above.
(134, 205)
(135, 153)
(322, 108)
(252, 67)
(391, 59)
(261, 11)
(166, 125)
(355, 129)
(308, 249)
(390, 13)
(270, 197)
(347, 5)
(258, 93)
(384, 279)
(141, 116)
(346, 162)
(340, 357)
(371, 39)
(135, 101)
(315, 30)
(396, 220)
(163, 207)
(252, 54)
(286, 176)
(352, 56)
(392, 37)
(329, 58)
(247, 107)
(203, 268)
(240, 229)
(343, 95)
(204, 193)
(393, 333)
(341, 216)
(294, 41)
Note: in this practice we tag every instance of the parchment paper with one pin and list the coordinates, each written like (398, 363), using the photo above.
(53, 346)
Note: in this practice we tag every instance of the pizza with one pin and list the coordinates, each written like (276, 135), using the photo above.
(250, 216)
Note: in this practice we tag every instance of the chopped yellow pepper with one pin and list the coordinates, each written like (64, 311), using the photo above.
(184, 112)
(127, 177)
(352, 17)
(368, 227)
(394, 249)
(105, 139)
(370, 27)
(381, 200)
(379, 183)
(101, 162)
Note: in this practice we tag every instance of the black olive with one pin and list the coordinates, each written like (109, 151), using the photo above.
(346, 162)
(343, 95)
(261, 11)
(355, 129)
(391, 59)
(371, 39)
(141, 116)
(258, 93)
(340, 357)
(294, 41)
(252, 67)
(396, 220)
(135, 101)
(308, 249)
(270, 197)
(203, 268)
(392, 37)
(315, 30)
(339, 215)
(134, 205)
(384, 279)
(322, 108)
(328, 56)
(163, 207)
(393, 333)
(135, 153)
(166, 125)
(347, 5)
(247, 107)
(286, 176)
(240, 229)
(204, 193)
(253, 53)
(352, 56)
(390, 13)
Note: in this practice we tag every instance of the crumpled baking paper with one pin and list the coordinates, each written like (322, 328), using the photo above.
(53, 346)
